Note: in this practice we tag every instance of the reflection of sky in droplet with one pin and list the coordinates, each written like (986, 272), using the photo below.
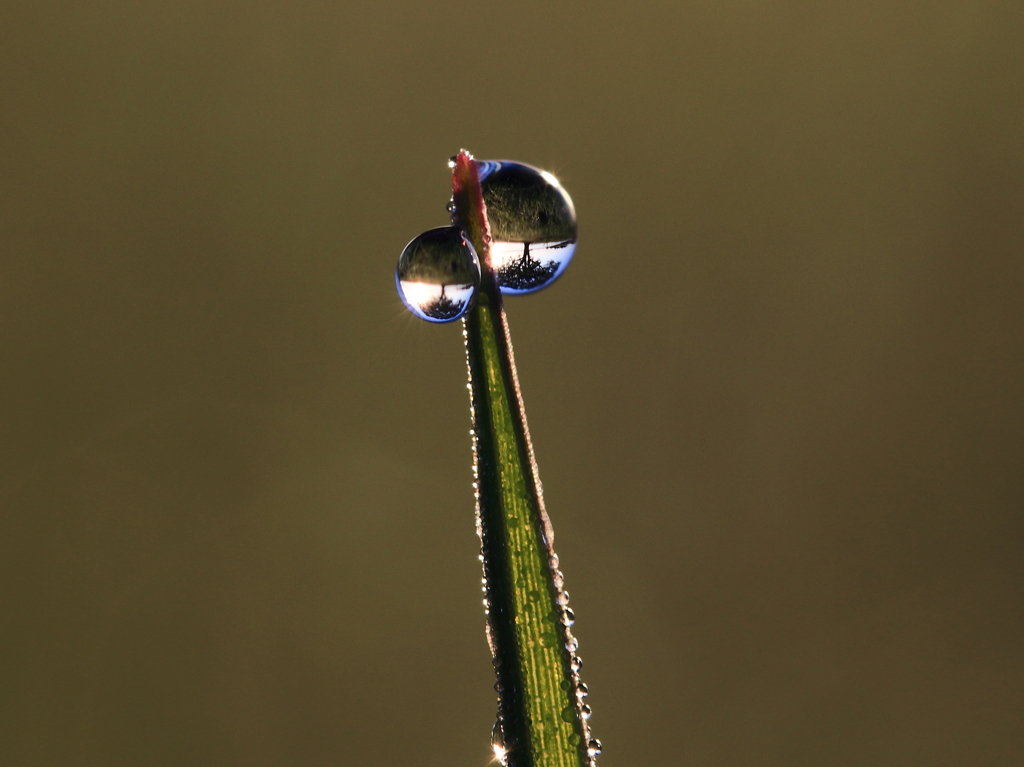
(526, 267)
(436, 303)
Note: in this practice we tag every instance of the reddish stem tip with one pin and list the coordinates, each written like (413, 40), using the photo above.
(469, 201)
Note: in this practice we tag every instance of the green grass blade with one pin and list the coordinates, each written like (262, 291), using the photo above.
(540, 705)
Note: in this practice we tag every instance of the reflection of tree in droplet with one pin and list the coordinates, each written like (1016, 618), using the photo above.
(443, 308)
(437, 274)
(525, 273)
(526, 207)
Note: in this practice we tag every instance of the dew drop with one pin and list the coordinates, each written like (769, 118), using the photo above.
(569, 714)
(572, 644)
(498, 743)
(585, 710)
(569, 617)
(576, 663)
(593, 747)
(582, 690)
(438, 274)
(533, 225)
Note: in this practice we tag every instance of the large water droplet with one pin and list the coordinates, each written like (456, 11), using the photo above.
(438, 274)
(533, 225)
(593, 747)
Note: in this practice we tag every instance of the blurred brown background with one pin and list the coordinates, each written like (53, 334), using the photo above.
(776, 399)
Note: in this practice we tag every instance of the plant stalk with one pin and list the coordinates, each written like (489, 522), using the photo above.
(541, 711)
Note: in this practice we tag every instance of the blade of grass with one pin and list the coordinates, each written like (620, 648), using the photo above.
(540, 697)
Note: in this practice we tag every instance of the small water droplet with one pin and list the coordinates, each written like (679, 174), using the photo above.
(585, 710)
(498, 742)
(574, 739)
(438, 274)
(568, 617)
(569, 714)
(593, 747)
(582, 690)
(533, 224)
(572, 644)
(576, 663)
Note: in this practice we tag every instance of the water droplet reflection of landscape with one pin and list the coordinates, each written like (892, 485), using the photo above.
(533, 225)
(438, 274)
